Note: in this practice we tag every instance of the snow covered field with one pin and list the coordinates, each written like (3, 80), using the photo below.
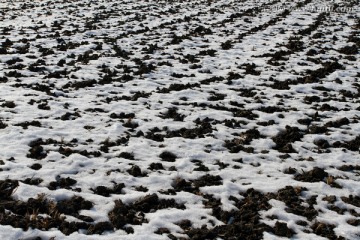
(179, 119)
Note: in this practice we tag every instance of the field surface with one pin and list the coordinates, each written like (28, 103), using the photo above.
(179, 119)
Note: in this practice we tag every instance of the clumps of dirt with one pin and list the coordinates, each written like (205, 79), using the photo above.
(173, 114)
(273, 109)
(322, 143)
(232, 123)
(162, 231)
(349, 94)
(250, 69)
(26, 124)
(245, 113)
(291, 197)
(207, 180)
(99, 228)
(121, 215)
(15, 74)
(70, 116)
(134, 97)
(290, 170)
(130, 124)
(281, 85)
(184, 224)
(325, 230)
(155, 135)
(284, 139)
(3, 50)
(28, 214)
(311, 99)
(203, 127)
(119, 52)
(349, 50)
(33, 181)
(6, 188)
(216, 96)
(41, 88)
(39, 204)
(295, 44)
(312, 27)
(245, 138)
(133, 213)
(127, 155)
(236, 146)
(276, 57)
(207, 52)
(107, 143)
(36, 150)
(230, 76)
(354, 222)
(352, 145)
(178, 87)
(315, 129)
(36, 166)
(180, 184)
(106, 191)
(354, 38)
(9, 104)
(144, 68)
(315, 175)
(305, 121)
(353, 200)
(227, 45)
(68, 151)
(168, 156)
(327, 107)
(62, 183)
(80, 84)
(44, 106)
(73, 205)
(177, 39)
(349, 168)
(281, 229)
(330, 198)
(190, 58)
(2, 125)
(156, 166)
(57, 74)
(247, 92)
(243, 223)
(180, 75)
(313, 76)
(122, 115)
(141, 188)
(200, 166)
(136, 171)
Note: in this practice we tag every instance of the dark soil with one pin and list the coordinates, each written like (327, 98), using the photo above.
(314, 175)
(105, 191)
(291, 197)
(325, 230)
(284, 139)
(62, 183)
(237, 144)
(168, 156)
(187, 75)
(123, 214)
(36, 150)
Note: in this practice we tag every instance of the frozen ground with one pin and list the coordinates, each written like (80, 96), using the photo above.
(179, 120)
